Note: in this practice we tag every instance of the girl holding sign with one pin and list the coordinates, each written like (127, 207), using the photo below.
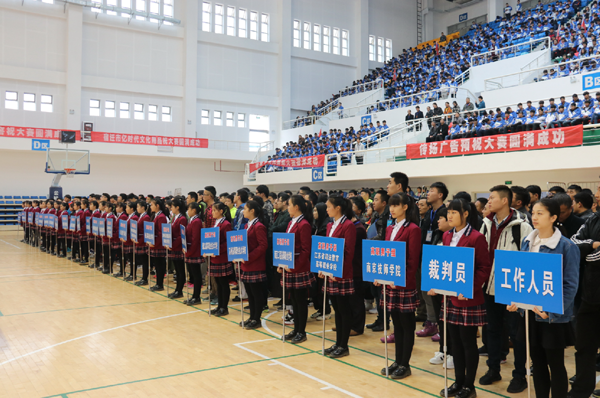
(158, 251)
(340, 289)
(466, 315)
(176, 254)
(254, 271)
(299, 279)
(60, 234)
(220, 268)
(83, 236)
(108, 243)
(192, 252)
(116, 245)
(549, 333)
(53, 211)
(141, 250)
(128, 244)
(402, 302)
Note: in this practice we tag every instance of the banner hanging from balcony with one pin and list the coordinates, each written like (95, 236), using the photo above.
(521, 141)
(303, 163)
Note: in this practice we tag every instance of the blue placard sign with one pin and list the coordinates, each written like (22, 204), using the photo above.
(95, 226)
(30, 218)
(283, 250)
(88, 225)
(64, 219)
(237, 245)
(133, 226)
(123, 229)
(47, 220)
(101, 227)
(210, 242)
(183, 237)
(533, 279)
(591, 81)
(327, 255)
(77, 223)
(149, 232)
(448, 269)
(109, 227)
(167, 236)
(384, 261)
(55, 222)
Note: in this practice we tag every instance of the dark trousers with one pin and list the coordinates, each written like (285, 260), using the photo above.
(85, 251)
(377, 291)
(179, 265)
(196, 273)
(466, 356)
(497, 317)
(98, 253)
(404, 332)
(343, 319)
(107, 257)
(317, 296)
(61, 246)
(587, 340)
(52, 243)
(300, 308)
(547, 361)
(160, 266)
(142, 259)
(117, 255)
(357, 306)
(223, 291)
(437, 307)
(128, 257)
(256, 299)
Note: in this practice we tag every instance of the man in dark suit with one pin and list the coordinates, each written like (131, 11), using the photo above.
(409, 119)
(418, 115)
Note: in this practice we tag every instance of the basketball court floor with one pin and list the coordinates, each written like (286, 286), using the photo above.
(69, 331)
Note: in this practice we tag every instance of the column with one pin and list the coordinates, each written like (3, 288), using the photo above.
(190, 68)
(361, 38)
(283, 31)
(74, 68)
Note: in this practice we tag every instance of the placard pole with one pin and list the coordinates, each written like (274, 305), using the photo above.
(187, 284)
(387, 370)
(326, 275)
(209, 278)
(527, 351)
(134, 266)
(167, 267)
(445, 347)
(149, 268)
(110, 263)
(240, 285)
(66, 252)
(123, 264)
(95, 252)
(283, 296)
(80, 257)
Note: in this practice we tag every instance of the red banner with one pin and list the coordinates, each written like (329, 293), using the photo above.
(306, 162)
(138, 139)
(521, 141)
(113, 138)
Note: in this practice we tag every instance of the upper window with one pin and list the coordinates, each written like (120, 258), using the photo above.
(111, 3)
(336, 41)
(166, 113)
(29, 102)
(124, 110)
(11, 101)
(253, 25)
(109, 109)
(326, 39)
(379, 49)
(217, 118)
(317, 37)
(218, 18)
(345, 43)
(388, 49)
(46, 103)
(229, 119)
(94, 107)
(126, 4)
(153, 113)
(241, 120)
(296, 33)
(264, 27)
(168, 9)
(138, 111)
(306, 35)
(230, 21)
(371, 48)
(140, 6)
(242, 23)
(206, 16)
(204, 116)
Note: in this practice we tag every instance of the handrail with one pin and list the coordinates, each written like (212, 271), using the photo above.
(370, 96)
(262, 149)
(300, 122)
(536, 60)
(534, 75)
(503, 52)
(361, 88)
(236, 145)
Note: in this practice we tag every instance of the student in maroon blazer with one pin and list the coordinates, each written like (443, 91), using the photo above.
(43, 210)
(54, 207)
(108, 243)
(96, 213)
(128, 244)
(60, 233)
(402, 301)
(83, 235)
(192, 251)
(220, 268)
(178, 209)
(299, 279)
(75, 235)
(254, 271)
(141, 250)
(116, 244)
(340, 289)
(157, 251)
(466, 315)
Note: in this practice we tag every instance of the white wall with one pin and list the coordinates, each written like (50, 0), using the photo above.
(446, 13)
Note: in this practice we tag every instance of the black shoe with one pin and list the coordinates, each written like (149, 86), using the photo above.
(517, 385)
(83, 262)
(175, 295)
(129, 278)
(247, 307)
(221, 312)
(141, 282)
(401, 373)
(300, 338)
(340, 353)
(152, 272)
(236, 299)
(290, 335)
(483, 352)
(61, 256)
(378, 328)
(453, 390)
(391, 369)
(572, 379)
(247, 321)
(372, 325)
(53, 253)
(106, 271)
(193, 301)
(490, 377)
(236, 287)
(157, 288)
(118, 275)
(330, 349)
(467, 392)
(596, 394)
(252, 325)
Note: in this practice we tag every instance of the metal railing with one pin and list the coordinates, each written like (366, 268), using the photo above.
(300, 122)
(263, 150)
(325, 109)
(510, 51)
(543, 60)
(463, 77)
(362, 88)
(537, 74)
(238, 145)
(369, 97)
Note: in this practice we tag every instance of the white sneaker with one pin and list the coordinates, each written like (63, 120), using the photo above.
(437, 359)
(326, 316)
(373, 311)
(450, 362)
(368, 304)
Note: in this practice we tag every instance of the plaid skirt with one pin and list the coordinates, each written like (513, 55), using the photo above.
(114, 245)
(60, 234)
(220, 270)
(194, 260)
(84, 238)
(300, 280)
(75, 238)
(141, 250)
(401, 300)
(465, 316)
(158, 252)
(340, 287)
(254, 276)
(127, 249)
(176, 255)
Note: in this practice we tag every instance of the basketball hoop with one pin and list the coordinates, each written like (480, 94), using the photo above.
(70, 173)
